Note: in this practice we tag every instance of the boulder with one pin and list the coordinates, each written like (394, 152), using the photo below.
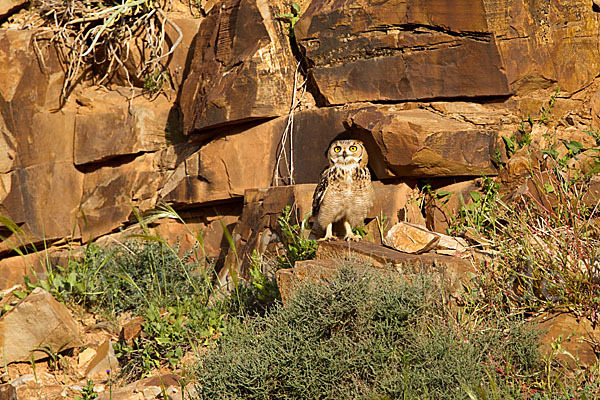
(111, 192)
(14, 269)
(420, 143)
(576, 336)
(108, 125)
(226, 167)
(38, 321)
(412, 239)
(451, 273)
(104, 365)
(243, 68)
(400, 50)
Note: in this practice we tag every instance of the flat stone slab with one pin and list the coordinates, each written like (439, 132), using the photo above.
(448, 272)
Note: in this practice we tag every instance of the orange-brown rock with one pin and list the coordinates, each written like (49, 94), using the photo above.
(531, 40)
(243, 68)
(400, 50)
(576, 336)
(412, 239)
(37, 321)
(443, 204)
(226, 166)
(14, 269)
(8, 7)
(450, 272)
(111, 192)
(108, 125)
(421, 143)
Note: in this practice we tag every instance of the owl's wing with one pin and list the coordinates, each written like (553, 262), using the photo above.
(320, 191)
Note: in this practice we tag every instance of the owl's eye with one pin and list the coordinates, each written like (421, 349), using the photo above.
(353, 148)
(337, 149)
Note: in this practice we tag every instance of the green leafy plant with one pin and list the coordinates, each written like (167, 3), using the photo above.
(87, 392)
(297, 248)
(481, 213)
(265, 289)
(291, 18)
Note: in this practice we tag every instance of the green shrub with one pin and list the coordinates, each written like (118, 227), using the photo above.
(364, 335)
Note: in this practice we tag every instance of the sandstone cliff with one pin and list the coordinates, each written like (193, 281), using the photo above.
(430, 86)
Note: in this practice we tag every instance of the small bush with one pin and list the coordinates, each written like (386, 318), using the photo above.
(364, 335)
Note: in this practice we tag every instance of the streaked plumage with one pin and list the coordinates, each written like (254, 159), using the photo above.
(345, 192)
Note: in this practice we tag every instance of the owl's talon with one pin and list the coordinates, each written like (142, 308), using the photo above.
(327, 238)
(352, 237)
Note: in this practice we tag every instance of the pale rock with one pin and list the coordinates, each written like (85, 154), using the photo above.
(104, 365)
(411, 239)
(85, 357)
(37, 321)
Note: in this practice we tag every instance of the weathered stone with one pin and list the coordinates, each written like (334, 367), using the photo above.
(178, 60)
(243, 67)
(109, 193)
(576, 336)
(225, 167)
(7, 153)
(8, 7)
(450, 273)
(37, 321)
(131, 330)
(109, 126)
(411, 239)
(84, 358)
(443, 204)
(104, 365)
(531, 40)
(421, 143)
(34, 195)
(14, 269)
(27, 85)
(400, 50)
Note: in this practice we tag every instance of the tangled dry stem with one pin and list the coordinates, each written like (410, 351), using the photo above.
(99, 37)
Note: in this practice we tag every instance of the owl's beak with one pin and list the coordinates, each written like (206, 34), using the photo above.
(344, 154)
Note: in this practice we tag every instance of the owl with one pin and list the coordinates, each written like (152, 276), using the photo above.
(345, 192)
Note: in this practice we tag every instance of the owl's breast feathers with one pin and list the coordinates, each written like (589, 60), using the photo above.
(339, 177)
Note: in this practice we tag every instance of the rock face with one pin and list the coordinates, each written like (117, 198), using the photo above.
(38, 321)
(400, 50)
(413, 49)
(243, 67)
(422, 143)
